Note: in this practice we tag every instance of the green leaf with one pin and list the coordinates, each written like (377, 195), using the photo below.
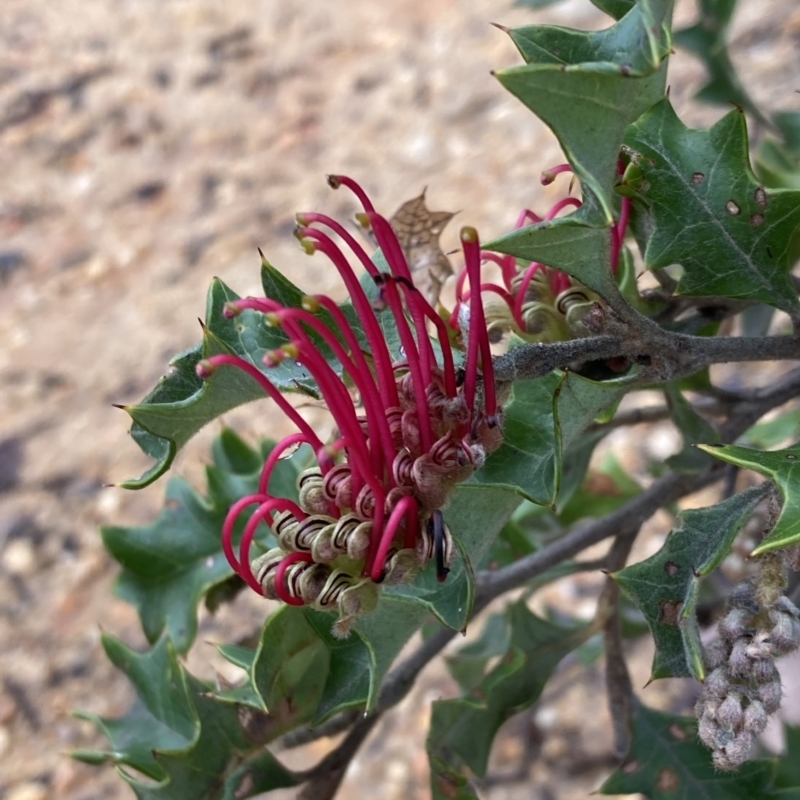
(543, 418)
(604, 490)
(468, 664)
(182, 403)
(474, 514)
(788, 773)
(693, 428)
(708, 212)
(615, 8)
(465, 727)
(667, 762)
(185, 741)
(609, 78)
(665, 586)
(706, 40)
(775, 431)
(169, 565)
(780, 466)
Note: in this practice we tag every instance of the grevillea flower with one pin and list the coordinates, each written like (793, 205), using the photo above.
(536, 302)
(369, 511)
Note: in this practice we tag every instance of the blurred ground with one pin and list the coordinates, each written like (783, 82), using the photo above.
(146, 147)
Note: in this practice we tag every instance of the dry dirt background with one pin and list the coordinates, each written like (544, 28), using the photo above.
(148, 146)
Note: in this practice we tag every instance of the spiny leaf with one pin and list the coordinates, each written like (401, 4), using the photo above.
(667, 762)
(169, 565)
(665, 586)
(693, 428)
(418, 230)
(182, 403)
(706, 39)
(185, 741)
(465, 727)
(708, 213)
(474, 514)
(543, 418)
(588, 86)
(780, 466)
(468, 664)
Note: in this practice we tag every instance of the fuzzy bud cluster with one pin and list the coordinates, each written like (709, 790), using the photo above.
(743, 687)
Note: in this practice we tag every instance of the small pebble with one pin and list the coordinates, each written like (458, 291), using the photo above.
(19, 557)
(28, 791)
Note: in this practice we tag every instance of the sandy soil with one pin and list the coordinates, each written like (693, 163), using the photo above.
(146, 147)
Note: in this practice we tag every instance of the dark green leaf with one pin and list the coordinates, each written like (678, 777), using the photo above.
(169, 565)
(615, 8)
(665, 586)
(788, 774)
(780, 466)
(603, 490)
(610, 78)
(186, 742)
(694, 430)
(544, 417)
(468, 664)
(668, 762)
(708, 212)
(465, 727)
(474, 514)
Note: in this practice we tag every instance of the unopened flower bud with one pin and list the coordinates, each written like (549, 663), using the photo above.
(770, 694)
(717, 683)
(735, 624)
(716, 653)
(729, 713)
(755, 717)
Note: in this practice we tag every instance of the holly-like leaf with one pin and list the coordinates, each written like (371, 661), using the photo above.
(543, 418)
(169, 565)
(474, 514)
(708, 213)
(186, 742)
(665, 586)
(788, 772)
(707, 40)
(783, 468)
(465, 727)
(667, 762)
(468, 664)
(615, 8)
(604, 489)
(608, 78)
(693, 428)
(418, 230)
(182, 403)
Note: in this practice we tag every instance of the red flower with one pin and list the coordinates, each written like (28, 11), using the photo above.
(370, 511)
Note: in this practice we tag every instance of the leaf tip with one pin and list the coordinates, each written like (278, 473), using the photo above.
(500, 27)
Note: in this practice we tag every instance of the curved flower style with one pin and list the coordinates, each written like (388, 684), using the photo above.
(369, 512)
(537, 302)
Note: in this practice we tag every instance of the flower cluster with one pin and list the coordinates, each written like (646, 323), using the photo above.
(536, 302)
(408, 428)
(743, 687)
